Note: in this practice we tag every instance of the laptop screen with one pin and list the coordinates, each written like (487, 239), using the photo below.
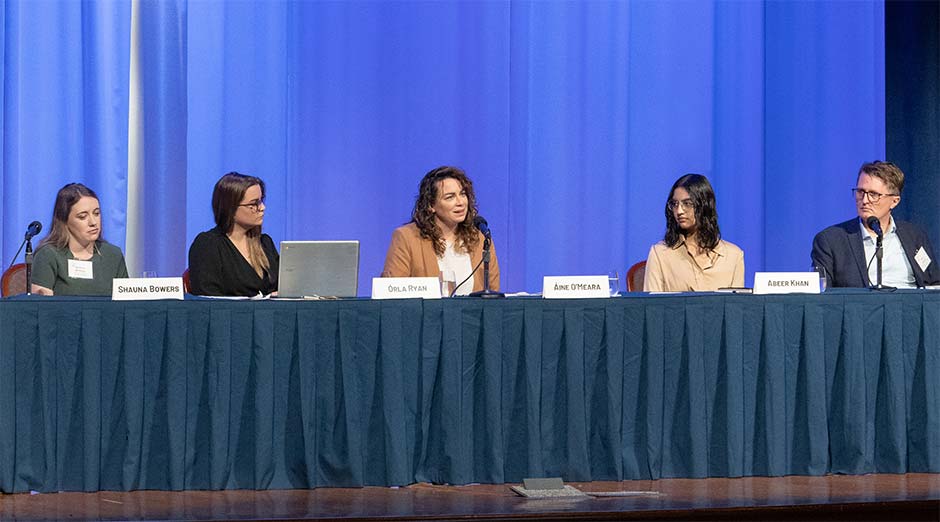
(318, 268)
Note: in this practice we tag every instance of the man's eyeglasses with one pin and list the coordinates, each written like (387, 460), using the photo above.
(254, 205)
(686, 204)
(874, 197)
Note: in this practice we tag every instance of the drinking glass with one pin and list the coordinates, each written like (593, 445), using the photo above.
(823, 277)
(613, 279)
(448, 281)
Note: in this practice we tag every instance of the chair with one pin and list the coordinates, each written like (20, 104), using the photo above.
(186, 281)
(14, 280)
(635, 277)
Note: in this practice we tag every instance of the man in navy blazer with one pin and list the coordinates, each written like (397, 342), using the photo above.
(846, 250)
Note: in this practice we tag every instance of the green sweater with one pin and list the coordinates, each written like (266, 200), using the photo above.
(51, 270)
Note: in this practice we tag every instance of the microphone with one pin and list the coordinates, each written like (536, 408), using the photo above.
(484, 228)
(33, 229)
(482, 225)
(874, 225)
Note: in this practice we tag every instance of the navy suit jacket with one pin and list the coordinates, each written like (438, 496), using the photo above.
(840, 251)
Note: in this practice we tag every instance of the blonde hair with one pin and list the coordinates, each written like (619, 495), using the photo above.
(65, 199)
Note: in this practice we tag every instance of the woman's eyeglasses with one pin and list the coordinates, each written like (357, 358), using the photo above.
(686, 204)
(254, 205)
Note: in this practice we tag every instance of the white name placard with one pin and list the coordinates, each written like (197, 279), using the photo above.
(147, 288)
(786, 283)
(406, 287)
(575, 287)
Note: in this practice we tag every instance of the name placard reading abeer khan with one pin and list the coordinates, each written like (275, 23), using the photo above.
(574, 287)
(147, 288)
(405, 287)
(786, 283)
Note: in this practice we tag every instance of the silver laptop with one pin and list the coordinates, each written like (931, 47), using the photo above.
(318, 268)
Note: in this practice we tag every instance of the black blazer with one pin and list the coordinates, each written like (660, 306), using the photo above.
(840, 251)
(216, 267)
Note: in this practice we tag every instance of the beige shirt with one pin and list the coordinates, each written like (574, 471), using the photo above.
(677, 269)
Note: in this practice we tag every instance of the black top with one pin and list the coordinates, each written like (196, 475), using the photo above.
(216, 267)
(840, 250)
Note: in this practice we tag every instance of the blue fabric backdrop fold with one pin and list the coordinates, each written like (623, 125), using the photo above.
(572, 118)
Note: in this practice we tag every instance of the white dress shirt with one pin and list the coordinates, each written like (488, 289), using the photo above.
(896, 269)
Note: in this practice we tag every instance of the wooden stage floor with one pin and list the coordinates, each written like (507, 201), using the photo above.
(837, 497)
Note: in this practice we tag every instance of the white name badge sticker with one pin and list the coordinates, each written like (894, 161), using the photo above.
(147, 288)
(923, 260)
(786, 283)
(575, 287)
(81, 269)
(406, 287)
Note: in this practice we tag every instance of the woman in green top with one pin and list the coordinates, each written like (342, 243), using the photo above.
(74, 259)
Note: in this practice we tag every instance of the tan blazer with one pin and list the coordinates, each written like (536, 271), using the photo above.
(410, 255)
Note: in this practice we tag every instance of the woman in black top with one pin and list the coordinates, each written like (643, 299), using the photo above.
(234, 258)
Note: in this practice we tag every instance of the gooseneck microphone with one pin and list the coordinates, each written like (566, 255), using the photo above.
(482, 226)
(875, 225)
(32, 230)
(480, 223)
(484, 229)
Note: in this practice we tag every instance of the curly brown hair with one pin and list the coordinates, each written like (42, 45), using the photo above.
(423, 217)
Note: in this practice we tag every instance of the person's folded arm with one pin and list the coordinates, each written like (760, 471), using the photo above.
(398, 257)
(494, 268)
(205, 268)
(737, 278)
(653, 276)
(821, 257)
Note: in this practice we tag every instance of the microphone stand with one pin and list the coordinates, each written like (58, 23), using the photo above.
(879, 254)
(29, 265)
(486, 292)
(28, 241)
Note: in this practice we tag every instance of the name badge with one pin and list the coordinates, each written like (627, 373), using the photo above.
(405, 287)
(923, 260)
(81, 269)
(575, 287)
(147, 288)
(786, 282)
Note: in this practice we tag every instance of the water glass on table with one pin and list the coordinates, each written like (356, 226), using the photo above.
(613, 279)
(823, 277)
(448, 281)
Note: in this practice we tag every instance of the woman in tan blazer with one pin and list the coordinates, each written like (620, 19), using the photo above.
(441, 236)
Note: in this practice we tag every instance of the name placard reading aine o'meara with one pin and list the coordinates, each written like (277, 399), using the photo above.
(575, 287)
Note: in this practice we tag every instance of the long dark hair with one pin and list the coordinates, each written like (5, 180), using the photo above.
(467, 236)
(226, 197)
(700, 191)
(65, 199)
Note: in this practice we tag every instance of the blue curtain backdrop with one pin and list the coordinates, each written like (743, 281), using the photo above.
(572, 118)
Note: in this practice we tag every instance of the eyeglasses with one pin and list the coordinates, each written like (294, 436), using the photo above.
(874, 197)
(254, 205)
(686, 204)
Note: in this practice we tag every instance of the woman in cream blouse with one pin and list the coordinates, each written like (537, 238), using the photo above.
(692, 256)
